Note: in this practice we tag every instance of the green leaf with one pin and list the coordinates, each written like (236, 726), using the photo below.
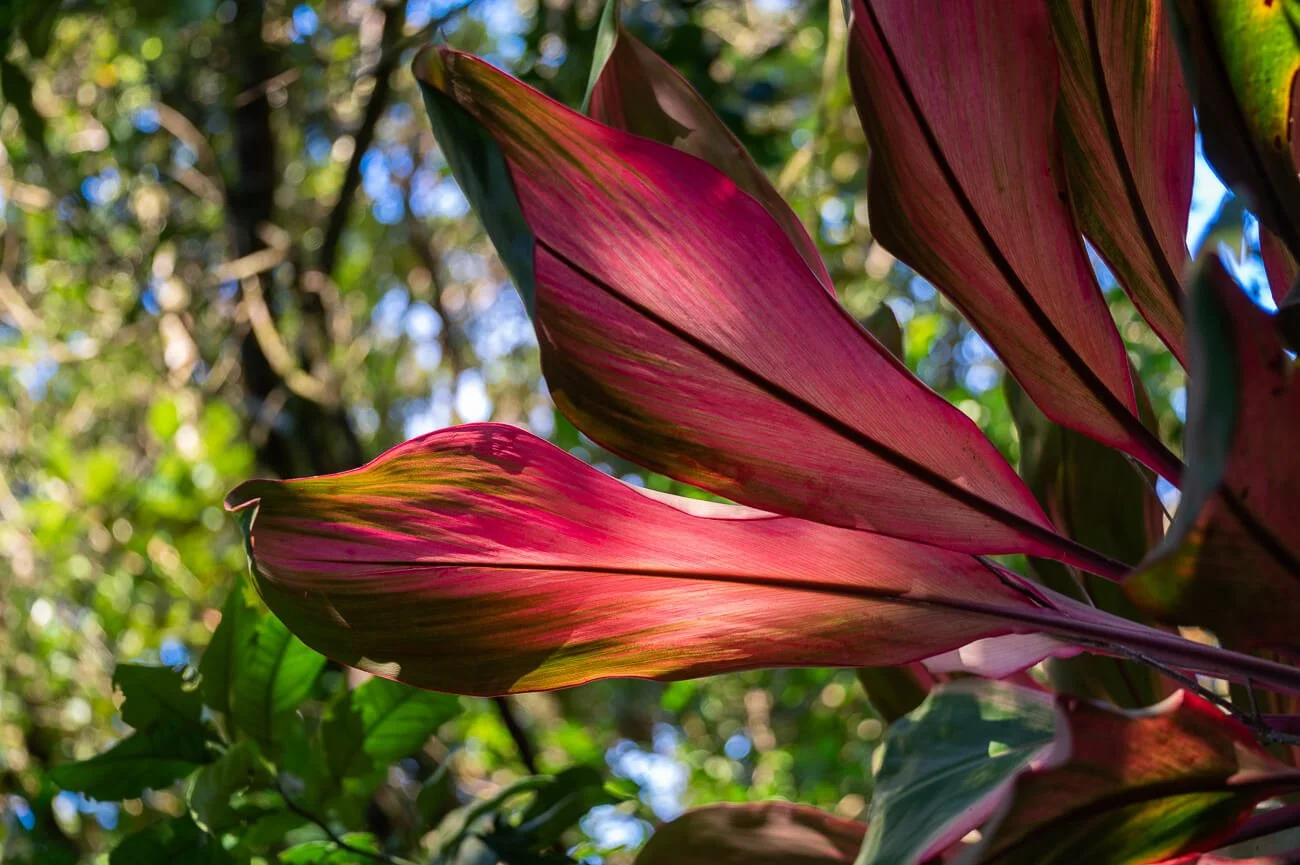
(884, 326)
(384, 721)
(214, 784)
(1240, 60)
(606, 38)
(556, 807)
(170, 842)
(238, 624)
(893, 691)
(155, 694)
(274, 672)
(145, 760)
(944, 765)
(431, 801)
(329, 853)
(480, 169)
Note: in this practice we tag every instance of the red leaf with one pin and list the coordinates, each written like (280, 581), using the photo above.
(1128, 138)
(1137, 788)
(1231, 560)
(680, 328)
(754, 833)
(966, 187)
(639, 92)
(484, 560)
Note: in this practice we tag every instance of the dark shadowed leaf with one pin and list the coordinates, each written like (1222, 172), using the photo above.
(153, 759)
(156, 694)
(754, 833)
(171, 842)
(1231, 560)
(1137, 788)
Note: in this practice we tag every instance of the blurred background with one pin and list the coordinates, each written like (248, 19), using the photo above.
(229, 246)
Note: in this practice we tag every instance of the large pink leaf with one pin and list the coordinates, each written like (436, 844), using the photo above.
(680, 328)
(484, 560)
(638, 91)
(1128, 138)
(966, 187)
(1231, 560)
(754, 833)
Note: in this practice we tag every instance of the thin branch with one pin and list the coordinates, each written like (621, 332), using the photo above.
(334, 836)
(394, 20)
(523, 745)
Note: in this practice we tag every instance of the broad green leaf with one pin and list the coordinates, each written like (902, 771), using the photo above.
(1136, 788)
(392, 721)
(328, 853)
(946, 766)
(177, 841)
(273, 673)
(555, 808)
(1241, 59)
(216, 668)
(754, 833)
(151, 759)
(155, 694)
(215, 783)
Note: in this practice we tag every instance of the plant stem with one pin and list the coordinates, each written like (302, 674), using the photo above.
(333, 836)
(527, 754)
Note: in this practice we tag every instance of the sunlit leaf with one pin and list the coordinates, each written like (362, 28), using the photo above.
(680, 328)
(639, 92)
(965, 187)
(1128, 139)
(272, 675)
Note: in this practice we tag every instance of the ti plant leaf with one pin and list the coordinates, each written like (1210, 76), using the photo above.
(643, 259)
(1128, 139)
(177, 841)
(1136, 788)
(634, 89)
(754, 833)
(1241, 59)
(955, 104)
(946, 766)
(1231, 560)
(1098, 497)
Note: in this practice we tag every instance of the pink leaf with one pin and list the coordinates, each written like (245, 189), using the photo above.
(680, 328)
(966, 187)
